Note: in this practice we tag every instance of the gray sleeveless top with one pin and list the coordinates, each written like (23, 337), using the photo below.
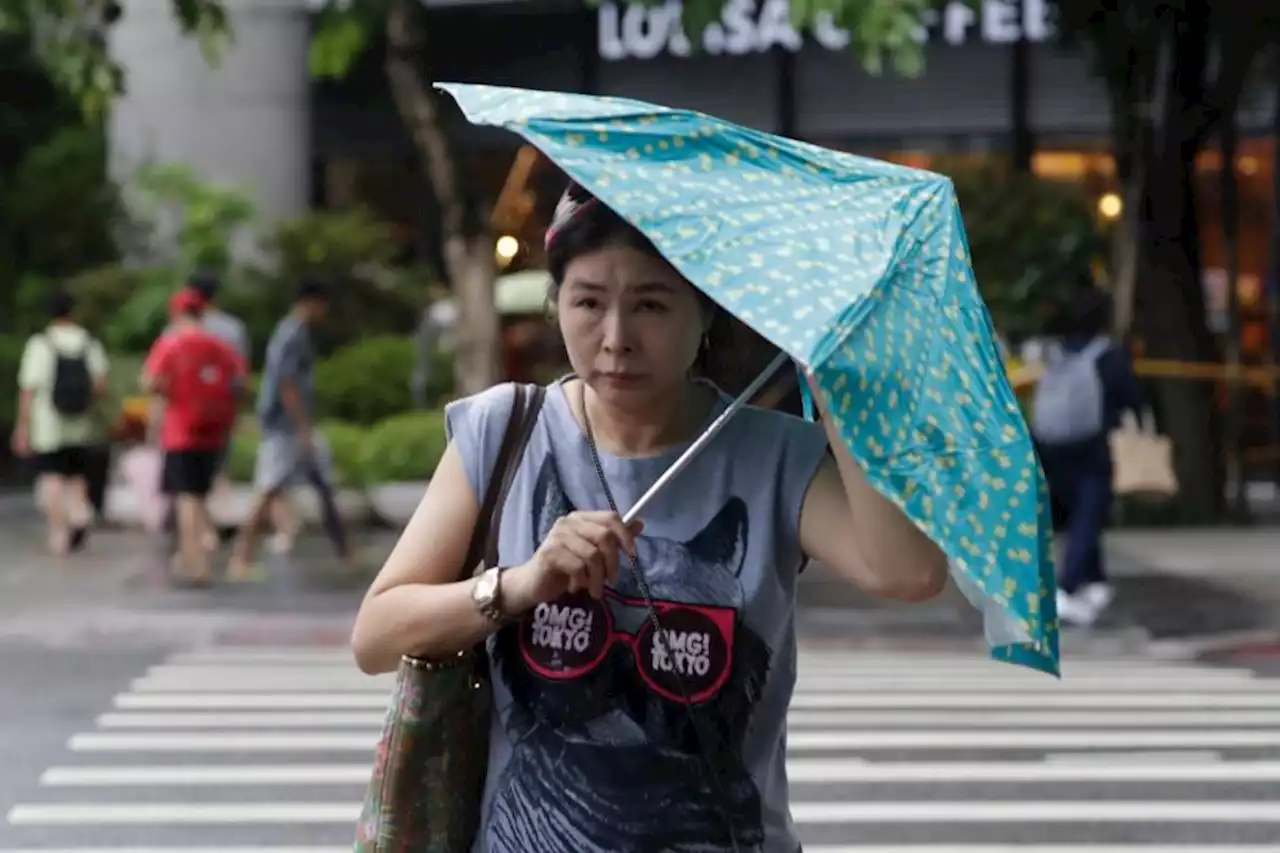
(593, 750)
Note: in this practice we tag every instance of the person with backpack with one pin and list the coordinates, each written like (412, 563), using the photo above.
(61, 378)
(201, 378)
(1088, 383)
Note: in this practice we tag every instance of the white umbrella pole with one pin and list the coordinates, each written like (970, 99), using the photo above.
(705, 439)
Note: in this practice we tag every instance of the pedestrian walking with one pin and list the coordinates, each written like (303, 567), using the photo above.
(201, 378)
(613, 731)
(291, 450)
(1088, 383)
(61, 379)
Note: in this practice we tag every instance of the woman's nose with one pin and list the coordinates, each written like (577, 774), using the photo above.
(617, 335)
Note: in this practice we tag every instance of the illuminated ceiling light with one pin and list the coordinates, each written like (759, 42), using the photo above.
(1110, 205)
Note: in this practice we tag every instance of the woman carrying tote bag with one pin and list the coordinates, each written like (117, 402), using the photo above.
(639, 674)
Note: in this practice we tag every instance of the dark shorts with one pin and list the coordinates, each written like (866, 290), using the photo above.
(190, 472)
(64, 462)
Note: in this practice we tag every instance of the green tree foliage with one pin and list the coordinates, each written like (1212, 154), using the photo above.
(1032, 240)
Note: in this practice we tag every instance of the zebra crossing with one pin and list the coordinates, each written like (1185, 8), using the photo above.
(267, 750)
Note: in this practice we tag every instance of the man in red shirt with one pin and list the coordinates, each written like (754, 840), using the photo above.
(201, 378)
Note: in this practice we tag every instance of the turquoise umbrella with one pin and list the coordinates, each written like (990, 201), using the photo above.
(858, 270)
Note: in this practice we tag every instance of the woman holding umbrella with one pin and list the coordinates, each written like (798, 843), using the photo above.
(641, 672)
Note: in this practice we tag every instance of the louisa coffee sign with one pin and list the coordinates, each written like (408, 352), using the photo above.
(629, 31)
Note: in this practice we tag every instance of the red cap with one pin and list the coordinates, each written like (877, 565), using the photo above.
(188, 300)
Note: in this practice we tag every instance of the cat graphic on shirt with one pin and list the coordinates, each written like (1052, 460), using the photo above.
(601, 761)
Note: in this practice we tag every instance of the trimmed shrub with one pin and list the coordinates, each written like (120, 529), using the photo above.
(366, 382)
(404, 448)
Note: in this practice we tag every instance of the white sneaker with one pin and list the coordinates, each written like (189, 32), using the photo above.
(1076, 610)
(281, 543)
(1098, 595)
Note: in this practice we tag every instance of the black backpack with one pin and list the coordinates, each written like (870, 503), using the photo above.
(72, 383)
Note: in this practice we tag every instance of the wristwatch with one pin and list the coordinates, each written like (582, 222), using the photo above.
(486, 594)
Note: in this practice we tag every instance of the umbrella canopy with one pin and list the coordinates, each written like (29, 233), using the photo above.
(859, 270)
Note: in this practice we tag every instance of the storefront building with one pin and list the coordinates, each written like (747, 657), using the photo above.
(260, 121)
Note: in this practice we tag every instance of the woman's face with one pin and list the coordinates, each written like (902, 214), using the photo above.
(631, 324)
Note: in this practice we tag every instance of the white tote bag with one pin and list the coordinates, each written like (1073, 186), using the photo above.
(1143, 459)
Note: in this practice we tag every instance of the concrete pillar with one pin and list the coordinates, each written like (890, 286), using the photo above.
(245, 121)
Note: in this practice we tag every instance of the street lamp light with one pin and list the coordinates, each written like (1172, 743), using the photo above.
(506, 249)
(1110, 206)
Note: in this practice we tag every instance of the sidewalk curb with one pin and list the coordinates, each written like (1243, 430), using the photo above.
(1208, 645)
(387, 505)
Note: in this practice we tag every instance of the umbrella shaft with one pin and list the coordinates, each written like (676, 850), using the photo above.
(705, 439)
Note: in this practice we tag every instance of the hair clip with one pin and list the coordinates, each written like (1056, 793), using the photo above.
(567, 209)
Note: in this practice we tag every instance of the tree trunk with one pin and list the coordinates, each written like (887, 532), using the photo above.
(468, 252)
(1171, 319)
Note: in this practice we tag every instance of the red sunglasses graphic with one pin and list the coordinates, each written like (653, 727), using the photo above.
(569, 637)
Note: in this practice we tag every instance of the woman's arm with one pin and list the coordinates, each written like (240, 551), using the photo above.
(417, 605)
(850, 527)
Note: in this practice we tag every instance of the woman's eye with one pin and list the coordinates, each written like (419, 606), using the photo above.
(652, 306)
(588, 303)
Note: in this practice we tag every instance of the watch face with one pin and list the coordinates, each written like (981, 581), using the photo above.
(486, 586)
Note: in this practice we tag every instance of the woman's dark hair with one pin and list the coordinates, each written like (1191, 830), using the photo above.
(583, 224)
(206, 283)
(61, 304)
(315, 287)
(1088, 313)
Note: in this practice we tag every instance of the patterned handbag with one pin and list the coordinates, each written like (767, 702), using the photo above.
(429, 772)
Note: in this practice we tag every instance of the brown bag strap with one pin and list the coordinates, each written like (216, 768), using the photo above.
(483, 549)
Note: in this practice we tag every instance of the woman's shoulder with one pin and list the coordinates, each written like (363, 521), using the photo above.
(757, 425)
(482, 410)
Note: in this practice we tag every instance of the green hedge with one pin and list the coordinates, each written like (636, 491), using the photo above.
(401, 448)
(366, 382)
(404, 448)
(10, 357)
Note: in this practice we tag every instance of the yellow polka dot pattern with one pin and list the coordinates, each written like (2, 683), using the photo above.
(860, 270)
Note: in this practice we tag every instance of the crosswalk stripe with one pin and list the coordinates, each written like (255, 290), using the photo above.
(254, 701)
(1047, 811)
(1027, 739)
(809, 653)
(1019, 699)
(809, 848)
(798, 719)
(1037, 848)
(1004, 701)
(812, 665)
(1174, 769)
(1084, 719)
(222, 742)
(243, 720)
(183, 813)
(198, 683)
(219, 849)
(799, 740)
(212, 670)
(927, 811)
(208, 775)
